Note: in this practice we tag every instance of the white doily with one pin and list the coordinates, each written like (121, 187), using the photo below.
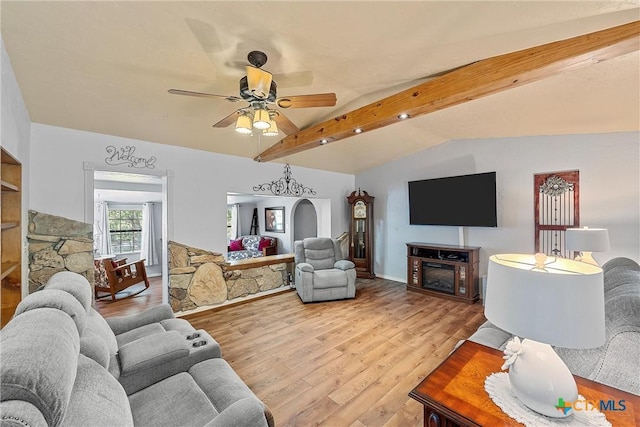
(498, 387)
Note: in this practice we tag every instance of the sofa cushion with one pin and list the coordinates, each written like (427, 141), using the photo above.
(137, 333)
(236, 245)
(332, 278)
(73, 283)
(94, 347)
(265, 242)
(99, 326)
(97, 399)
(320, 259)
(39, 366)
(188, 403)
(182, 326)
(56, 299)
(151, 351)
(251, 242)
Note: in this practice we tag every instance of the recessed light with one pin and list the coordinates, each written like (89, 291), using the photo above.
(403, 116)
(357, 130)
(323, 141)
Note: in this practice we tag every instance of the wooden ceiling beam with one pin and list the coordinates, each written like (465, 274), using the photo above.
(467, 83)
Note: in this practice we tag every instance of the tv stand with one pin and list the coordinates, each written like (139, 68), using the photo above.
(444, 271)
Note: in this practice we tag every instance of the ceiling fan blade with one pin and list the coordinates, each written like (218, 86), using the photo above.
(284, 124)
(231, 118)
(307, 101)
(204, 95)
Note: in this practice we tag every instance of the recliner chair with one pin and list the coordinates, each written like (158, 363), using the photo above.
(322, 273)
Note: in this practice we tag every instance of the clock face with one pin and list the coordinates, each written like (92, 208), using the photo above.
(359, 209)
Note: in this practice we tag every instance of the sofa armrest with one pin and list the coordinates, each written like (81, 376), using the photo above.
(270, 250)
(303, 266)
(199, 346)
(244, 412)
(151, 351)
(155, 314)
(344, 264)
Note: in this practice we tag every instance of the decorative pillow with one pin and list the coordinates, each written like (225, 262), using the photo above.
(264, 242)
(251, 242)
(236, 245)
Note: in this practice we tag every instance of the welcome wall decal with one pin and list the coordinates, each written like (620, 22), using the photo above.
(125, 156)
(285, 186)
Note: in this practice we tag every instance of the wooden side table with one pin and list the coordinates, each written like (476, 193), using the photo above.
(454, 395)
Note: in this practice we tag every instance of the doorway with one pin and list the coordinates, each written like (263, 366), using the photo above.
(121, 199)
(305, 221)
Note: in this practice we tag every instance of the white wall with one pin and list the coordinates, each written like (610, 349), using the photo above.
(15, 130)
(198, 182)
(609, 166)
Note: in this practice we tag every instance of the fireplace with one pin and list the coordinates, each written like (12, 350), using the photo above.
(438, 277)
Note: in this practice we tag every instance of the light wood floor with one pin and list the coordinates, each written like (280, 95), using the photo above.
(339, 363)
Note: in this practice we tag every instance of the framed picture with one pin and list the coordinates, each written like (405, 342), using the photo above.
(274, 219)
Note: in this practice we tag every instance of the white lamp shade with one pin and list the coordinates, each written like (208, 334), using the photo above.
(272, 130)
(243, 124)
(261, 119)
(587, 239)
(560, 305)
(258, 81)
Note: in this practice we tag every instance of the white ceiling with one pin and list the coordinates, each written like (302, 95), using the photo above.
(106, 67)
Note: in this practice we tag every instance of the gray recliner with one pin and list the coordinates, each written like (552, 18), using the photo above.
(322, 273)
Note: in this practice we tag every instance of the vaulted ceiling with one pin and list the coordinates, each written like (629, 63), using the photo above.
(106, 67)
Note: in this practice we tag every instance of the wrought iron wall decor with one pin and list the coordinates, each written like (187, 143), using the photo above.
(285, 186)
(557, 207)
(124, 156)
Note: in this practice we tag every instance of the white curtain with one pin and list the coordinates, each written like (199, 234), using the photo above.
(235, 221)
(149, 248)
(101, 236)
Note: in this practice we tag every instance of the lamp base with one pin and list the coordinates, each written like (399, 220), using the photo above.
(586, 258)
(542, 381)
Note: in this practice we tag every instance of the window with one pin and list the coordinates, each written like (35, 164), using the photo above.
(229, 222)
(125, 227)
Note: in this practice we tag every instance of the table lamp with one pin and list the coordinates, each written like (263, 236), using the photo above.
(548, 301)
(587, 240)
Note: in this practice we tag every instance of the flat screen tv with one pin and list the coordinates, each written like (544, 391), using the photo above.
(464, 201)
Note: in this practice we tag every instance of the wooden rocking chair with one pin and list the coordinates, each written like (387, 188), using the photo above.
(120, 276)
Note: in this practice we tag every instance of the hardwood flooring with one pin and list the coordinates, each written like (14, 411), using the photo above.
(125, 306)
(338, 363)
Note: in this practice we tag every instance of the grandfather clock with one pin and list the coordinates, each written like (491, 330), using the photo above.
(361, 234)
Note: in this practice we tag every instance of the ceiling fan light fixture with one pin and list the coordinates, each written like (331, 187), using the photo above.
(272, 130)
(261, 119)
(243, 124)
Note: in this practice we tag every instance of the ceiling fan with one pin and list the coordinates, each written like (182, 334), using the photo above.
(259, 90)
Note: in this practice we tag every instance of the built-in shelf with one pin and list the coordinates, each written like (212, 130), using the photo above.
(11, 253)
(8, 267)
(7, 186)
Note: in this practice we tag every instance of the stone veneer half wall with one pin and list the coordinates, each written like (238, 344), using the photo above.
(58, 244)
(200, 278)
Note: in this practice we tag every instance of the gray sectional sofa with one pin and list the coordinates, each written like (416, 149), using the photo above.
(64, 364)
(617, 362)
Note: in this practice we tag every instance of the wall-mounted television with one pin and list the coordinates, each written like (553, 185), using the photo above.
(464, 201)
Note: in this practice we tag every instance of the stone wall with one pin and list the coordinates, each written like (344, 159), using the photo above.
(58, 244)
(200, 278)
